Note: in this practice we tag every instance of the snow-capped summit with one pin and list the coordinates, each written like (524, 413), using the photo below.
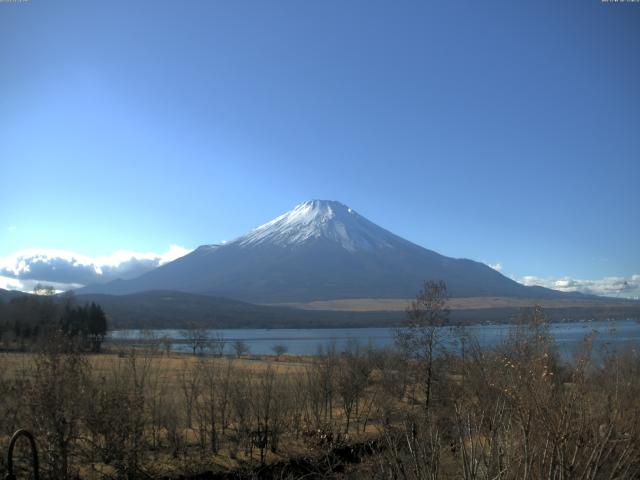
(320, 219)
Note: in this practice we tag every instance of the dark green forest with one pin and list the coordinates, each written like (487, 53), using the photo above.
(30, 320)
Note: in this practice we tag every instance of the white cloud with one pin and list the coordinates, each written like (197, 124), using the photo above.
(66, 270)
(122, 257)
(496, 266)
(12, 228)
(609, 286)
(8, 283)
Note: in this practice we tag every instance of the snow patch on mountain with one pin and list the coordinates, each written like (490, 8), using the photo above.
(321, 220)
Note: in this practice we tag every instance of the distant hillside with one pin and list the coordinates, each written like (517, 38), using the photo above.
(8, 295)
(171, 309)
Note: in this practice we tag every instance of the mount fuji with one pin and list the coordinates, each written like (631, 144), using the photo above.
(320, 250)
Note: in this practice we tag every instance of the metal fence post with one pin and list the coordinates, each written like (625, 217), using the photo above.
(34, 454)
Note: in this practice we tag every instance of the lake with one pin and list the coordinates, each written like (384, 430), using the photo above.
(568, 336)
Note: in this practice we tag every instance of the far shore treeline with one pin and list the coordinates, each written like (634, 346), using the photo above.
(27, 321)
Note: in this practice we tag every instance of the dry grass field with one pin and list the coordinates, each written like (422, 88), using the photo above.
(466, 303)
(182, 413)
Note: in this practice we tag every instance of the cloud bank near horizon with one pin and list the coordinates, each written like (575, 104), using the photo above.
(611, 286)
(65, 270)
(627, 287)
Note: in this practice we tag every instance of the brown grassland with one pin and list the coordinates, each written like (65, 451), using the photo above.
(459, 303)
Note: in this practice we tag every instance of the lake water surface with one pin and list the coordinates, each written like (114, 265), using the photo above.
(568, 336)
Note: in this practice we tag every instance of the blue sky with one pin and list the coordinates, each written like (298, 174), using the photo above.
(506, 132)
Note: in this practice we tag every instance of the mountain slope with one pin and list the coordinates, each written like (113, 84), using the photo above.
(320, 250)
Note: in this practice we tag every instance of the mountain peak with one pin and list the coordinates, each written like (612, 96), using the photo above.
(318, 220)
(320, 250)
(322, 204)
(319, 210)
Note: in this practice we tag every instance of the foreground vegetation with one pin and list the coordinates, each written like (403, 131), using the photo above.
(515, 411)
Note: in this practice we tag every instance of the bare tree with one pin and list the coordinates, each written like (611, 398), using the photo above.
(353, 376)
(156, 405)
(264, 402)
(166, 344)
(240, 394)
(44, 290)
(190, 387)
(218, 344)
(60, 381)
(240, 347)
(197, 337)
(422, 332)
(212, 402)
(279, 350)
